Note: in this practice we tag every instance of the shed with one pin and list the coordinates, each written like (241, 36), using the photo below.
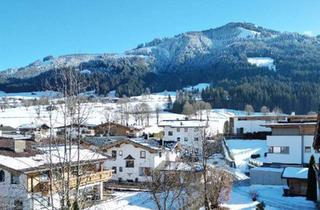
(297, 180)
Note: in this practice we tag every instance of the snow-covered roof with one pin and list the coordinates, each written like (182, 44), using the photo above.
(42, 160)
(287, 124)
(270, 169)
(112, 141)
(183, 123)
(295, 173)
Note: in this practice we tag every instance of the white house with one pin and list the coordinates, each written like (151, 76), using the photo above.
(252, 123)
(24, 176)
(189, 133)
(134, 159)
(291, 143)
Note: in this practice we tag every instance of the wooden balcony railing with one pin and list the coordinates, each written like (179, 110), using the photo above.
(88, 179)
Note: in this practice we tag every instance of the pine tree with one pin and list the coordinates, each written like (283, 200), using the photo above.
(312, 181)
(169, 103)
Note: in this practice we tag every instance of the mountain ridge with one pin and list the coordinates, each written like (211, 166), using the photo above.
(231, 54)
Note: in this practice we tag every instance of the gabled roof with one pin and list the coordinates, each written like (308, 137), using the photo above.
(151, 145)
(129, 157)
(41, 161)
(184, 123)
(6, 128)
(113, 124)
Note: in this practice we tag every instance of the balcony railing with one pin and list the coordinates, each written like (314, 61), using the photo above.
(88, 179)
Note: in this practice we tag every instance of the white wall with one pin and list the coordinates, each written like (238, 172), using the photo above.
(293, 142)
(296, 149)
(308, 141)
(190, 134)
(152, 160)
(250, 126)
(11, 192)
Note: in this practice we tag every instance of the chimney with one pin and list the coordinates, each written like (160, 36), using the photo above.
(19, 145)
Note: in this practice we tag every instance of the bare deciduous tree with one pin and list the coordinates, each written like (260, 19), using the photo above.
(265, 110)
(170, 190)
(248, 109)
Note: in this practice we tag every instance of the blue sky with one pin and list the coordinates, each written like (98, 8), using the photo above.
(32, 29)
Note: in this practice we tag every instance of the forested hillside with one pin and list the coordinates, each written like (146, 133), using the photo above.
(244, 63)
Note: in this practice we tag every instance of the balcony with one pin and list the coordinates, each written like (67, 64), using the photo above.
(88, 179)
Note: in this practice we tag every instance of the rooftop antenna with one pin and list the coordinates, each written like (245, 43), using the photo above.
(316, 139)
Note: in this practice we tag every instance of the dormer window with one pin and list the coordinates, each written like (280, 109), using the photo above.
(129, 161)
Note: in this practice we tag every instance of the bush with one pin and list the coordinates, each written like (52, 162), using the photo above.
(254, 195)
(254, 156)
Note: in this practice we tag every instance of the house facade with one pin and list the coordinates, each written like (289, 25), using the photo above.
(291, 143)
(240, 125)
(189, 133)
(132, 160)
(25, 177)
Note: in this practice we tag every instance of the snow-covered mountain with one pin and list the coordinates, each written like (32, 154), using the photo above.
(164, 53)
(232, 47)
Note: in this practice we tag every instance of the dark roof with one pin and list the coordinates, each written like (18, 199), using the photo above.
(129, 157)
(6, 128)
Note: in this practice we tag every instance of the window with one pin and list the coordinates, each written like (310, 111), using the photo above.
(170, 133)
(129, 163)
(114, 169)
(196, 139)
(15, 179)
(307, 149)
(120, 153)
(120, 169)
(185, 129)
(142, 154)
(144, 171)
(141, 171)
(114, 154)
(178, 139)
(2, 176)
(178, 129)
(279, 149)
(185, 138)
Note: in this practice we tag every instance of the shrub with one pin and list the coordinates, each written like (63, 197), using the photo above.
(254, 156)
(254, 195)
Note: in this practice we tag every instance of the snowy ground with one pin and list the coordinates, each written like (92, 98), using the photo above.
(270, 195)
(241, 150)
(127, 201)
(239, 199)
(263, 62)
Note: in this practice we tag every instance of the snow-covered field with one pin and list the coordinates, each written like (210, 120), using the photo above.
(271, 195)
(263, 62)
(241, 151)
